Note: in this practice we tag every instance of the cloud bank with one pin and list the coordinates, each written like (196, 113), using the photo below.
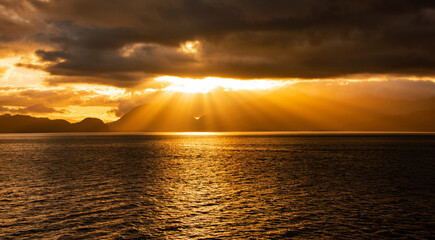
(124, 43)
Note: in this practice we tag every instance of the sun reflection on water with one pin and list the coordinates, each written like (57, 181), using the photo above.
(197, 133)
(142, 186)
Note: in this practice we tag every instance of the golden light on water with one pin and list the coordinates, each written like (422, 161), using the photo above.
(216, 119)
(197, 133)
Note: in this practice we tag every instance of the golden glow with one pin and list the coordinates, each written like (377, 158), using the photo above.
(191, 85)
(78, 113)
(74, 102)
(11, 75)
(197, 133)
(21, 87)
(130, 49)
(112, 93)
(190, 47)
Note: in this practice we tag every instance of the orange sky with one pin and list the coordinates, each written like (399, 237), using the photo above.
(59, 61)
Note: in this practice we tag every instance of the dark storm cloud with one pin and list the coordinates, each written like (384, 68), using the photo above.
(15, 20)
(51, 55)
(121, 42)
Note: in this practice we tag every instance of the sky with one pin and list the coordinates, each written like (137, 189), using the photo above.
(73, 59)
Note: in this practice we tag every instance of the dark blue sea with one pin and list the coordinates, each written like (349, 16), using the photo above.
(219, 186)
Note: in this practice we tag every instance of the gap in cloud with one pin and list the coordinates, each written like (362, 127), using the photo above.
(208, 84)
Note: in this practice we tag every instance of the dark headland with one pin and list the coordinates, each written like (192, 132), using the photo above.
(28, 124)
(138, 120)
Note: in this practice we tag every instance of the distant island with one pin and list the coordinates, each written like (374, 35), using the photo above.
(28, 124)
(138, 120)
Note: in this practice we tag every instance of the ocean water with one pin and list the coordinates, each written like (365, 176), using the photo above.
(231, 186)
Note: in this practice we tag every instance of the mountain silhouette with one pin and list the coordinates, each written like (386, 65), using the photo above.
(90, 125)
(281, 111)
(28, 124)
(276, 111)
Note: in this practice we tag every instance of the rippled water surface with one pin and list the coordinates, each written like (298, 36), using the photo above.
(279, 186)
